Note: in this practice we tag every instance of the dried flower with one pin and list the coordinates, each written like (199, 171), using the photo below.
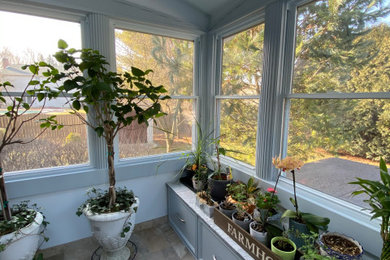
(288, 163)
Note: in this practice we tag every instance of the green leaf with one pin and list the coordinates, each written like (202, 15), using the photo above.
(26, 106)
(34, 69)
(86, 109)
(137, 72)
(99, 130)
(40, 96)
(62, 44)
(76, 105)
(289, 214)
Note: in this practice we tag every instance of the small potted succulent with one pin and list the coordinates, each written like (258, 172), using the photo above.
(200, 177)
(379, 197)
(241, 217)
(340, 246)
(206, 203)
(265, 207)
(21, 225)
(227, 208)
(299, 222)
(283, 247)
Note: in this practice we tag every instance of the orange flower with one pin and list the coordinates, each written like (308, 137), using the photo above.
(194, 166)
(287, 164)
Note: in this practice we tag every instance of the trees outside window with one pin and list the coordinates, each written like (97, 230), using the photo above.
(238, 99)
(339, 121)
(172, 62)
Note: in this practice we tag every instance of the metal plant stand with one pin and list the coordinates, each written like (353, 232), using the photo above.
(133, 251)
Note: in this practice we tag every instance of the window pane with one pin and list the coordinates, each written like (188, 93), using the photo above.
(238, 128)
(53, 148)
(339, 140)
(170, 59)
(172, 133)
(342, 46)
(24, 43)
(242, 65)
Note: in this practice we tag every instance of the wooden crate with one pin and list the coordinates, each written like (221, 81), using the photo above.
(254, 248)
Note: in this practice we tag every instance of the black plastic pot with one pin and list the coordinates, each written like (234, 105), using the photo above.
(218, 189)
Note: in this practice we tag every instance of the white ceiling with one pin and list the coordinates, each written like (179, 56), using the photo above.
(210, 7)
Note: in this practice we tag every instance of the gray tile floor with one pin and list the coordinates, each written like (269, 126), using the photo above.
(155, 241)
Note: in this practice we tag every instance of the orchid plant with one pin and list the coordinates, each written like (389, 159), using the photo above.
(313, 222)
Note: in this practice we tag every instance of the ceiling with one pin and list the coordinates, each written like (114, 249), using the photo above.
(210, 7)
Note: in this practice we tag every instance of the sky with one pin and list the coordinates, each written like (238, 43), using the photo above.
(19, 32)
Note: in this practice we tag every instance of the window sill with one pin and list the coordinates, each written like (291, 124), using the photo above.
(41, 181)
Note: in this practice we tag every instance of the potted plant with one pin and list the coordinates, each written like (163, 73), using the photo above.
(299, 222)
(227, 208)
(265, 207)
(206, 203)
(200, 177)
(21, 225)
(219, 180)
(283, 247)
(379, 197)
(340, 246)
(241, 217)
(239, 192)
(112, 101)
(310, 249)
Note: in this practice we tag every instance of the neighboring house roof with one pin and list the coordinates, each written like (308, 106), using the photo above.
(14, 70)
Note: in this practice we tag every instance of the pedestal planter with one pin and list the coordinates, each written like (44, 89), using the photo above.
(259, 236)
(107, 229)
(285, 255)
(332, 243)
(218, 188)
(22, 244)
(242, 223)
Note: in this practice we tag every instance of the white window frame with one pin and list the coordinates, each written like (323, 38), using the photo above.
(165, 32)
(356, 220)
(254, 19)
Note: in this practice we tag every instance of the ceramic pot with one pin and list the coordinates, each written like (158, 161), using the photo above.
(218, 188)
(244, 224)
(259, 236)
(107, 228)
(22, 244)
(208, 210)
(198, 184)
(294, 230)
(227, 212)
(283, 254)
(326, 251)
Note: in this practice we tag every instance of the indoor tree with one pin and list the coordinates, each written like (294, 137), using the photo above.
(112, 100)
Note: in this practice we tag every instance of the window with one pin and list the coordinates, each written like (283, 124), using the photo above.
(238, 100)
(23, 42)
(339, 106)
(172, 63)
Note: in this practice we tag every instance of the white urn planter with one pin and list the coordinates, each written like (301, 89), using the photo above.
(22, 244)
(107, 229)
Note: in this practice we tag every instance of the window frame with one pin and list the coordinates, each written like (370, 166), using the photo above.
(165, 32)
(252, 20)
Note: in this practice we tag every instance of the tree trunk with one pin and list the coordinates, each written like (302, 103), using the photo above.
(3, 196)
(386, 250)
(111, 175)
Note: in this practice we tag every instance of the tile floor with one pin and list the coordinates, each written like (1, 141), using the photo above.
(155, 240)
